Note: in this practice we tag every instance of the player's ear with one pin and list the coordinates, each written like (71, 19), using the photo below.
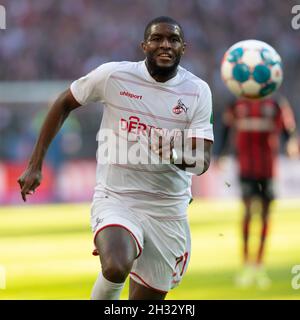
(143, 46)
(183, 48)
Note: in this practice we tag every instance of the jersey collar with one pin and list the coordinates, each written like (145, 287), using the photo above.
(171, 82)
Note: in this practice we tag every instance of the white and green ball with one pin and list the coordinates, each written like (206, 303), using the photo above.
(251, 69)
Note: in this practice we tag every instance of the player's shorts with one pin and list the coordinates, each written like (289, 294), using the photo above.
(163, 245)
(262, 188)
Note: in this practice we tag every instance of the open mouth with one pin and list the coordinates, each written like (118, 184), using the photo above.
(165, 56)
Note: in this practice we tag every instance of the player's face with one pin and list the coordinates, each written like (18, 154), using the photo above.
(163, 47)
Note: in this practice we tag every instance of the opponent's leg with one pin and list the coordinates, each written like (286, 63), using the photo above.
(140, 292)
(246, 277)
(264, 229)
(245, 228)
(262, 279)
(117, 250)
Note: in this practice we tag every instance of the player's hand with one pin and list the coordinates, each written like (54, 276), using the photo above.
(29, 181)
(221, 162)
(161, 144)
(292, 148)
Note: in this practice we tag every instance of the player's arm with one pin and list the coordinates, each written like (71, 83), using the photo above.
(196, 159)
(31, 177)
(288, 123)
(191, 154)
(291, 142)
(192, 151)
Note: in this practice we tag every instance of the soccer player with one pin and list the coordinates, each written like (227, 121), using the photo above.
(138, 213)
(257, 125)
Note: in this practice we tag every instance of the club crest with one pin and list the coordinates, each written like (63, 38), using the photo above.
(180, 107)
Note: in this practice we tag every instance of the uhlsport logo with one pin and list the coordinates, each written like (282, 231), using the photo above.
(131, 95)
(296, 19)
(2, 18)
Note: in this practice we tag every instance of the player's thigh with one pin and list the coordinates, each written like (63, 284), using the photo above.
(117, 236)
(268, 190)
(115, 243)
(140, 292)
(165, 255)
(249, 189)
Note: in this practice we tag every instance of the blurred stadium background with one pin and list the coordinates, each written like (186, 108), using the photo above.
(45, 247)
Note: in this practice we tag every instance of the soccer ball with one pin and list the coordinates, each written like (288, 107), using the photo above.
(251, 69)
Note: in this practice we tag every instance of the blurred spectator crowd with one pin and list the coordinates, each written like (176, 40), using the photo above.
(65, 39)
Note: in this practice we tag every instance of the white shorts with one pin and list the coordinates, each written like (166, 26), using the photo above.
(163, 244)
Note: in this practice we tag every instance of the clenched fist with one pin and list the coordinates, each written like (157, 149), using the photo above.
(29, 181)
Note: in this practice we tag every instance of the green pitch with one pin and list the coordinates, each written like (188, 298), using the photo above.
(46, 252)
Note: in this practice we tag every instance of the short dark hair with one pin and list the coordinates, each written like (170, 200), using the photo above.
(162, 19)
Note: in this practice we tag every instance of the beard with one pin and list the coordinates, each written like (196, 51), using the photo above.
(156, 70)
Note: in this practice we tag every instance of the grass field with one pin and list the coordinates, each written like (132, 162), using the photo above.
(46, 252)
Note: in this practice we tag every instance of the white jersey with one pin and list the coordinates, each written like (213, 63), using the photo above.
(133, 101)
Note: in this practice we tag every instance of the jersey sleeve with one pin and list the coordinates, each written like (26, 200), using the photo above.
(91, 88)
(201, 125)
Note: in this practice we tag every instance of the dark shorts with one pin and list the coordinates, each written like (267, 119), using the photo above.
(262, 188)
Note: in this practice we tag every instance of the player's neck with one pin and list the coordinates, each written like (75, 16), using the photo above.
(159, 74)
